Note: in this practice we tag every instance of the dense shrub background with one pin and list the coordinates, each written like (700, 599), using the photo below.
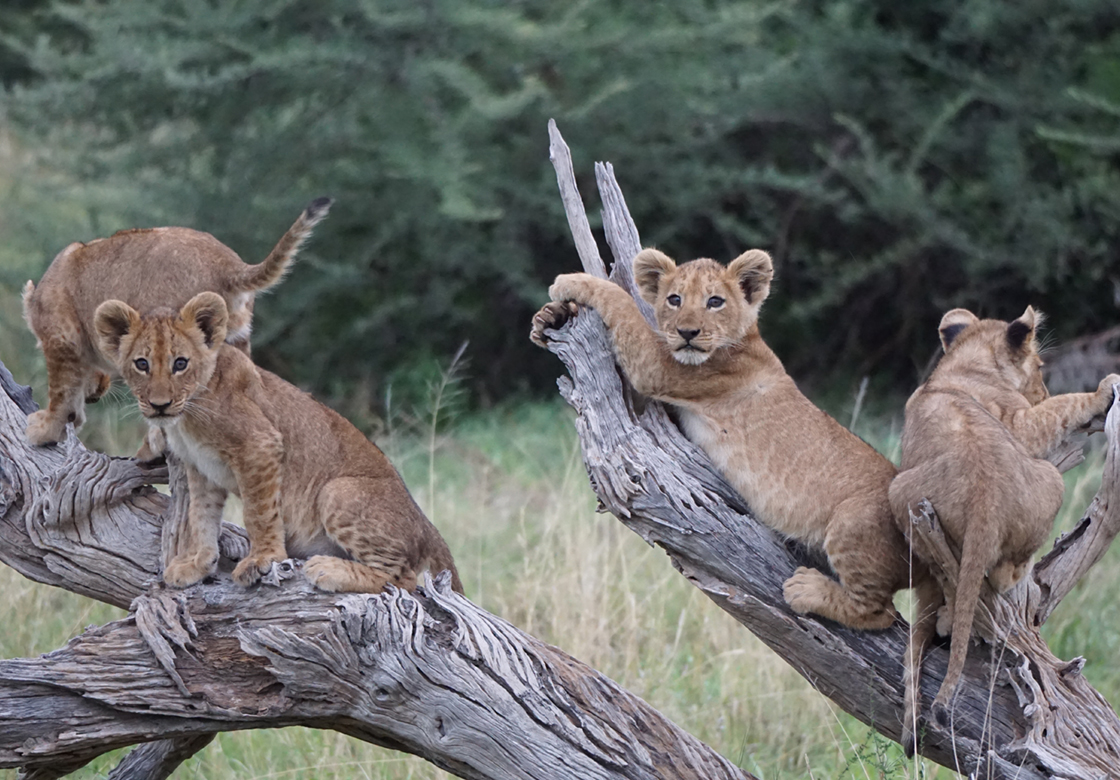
(897, 159)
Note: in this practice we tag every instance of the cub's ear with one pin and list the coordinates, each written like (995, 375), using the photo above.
(207, 312)
(754, 270)
(114, 320)
(1022, 330)
(953, 323)
(649, 266)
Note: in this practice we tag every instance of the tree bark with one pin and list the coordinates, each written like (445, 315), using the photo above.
(428, 673)
(1021, 712)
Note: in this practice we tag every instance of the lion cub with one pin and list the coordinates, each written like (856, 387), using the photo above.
(974, 443)
(147, 269)
(800, 471)
(312, 484)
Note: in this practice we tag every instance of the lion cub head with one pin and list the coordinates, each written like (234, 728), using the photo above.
(1009, 350)
(702, 306)
(165, 358)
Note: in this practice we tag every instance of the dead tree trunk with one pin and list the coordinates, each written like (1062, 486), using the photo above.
(1021, 713)
(427, 673)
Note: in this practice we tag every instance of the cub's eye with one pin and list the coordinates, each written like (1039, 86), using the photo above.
(715, 302)
(180, 364)
(141, 364)
(673, 300)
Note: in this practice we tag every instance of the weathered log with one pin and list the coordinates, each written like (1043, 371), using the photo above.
(428, 673)
(664, 488)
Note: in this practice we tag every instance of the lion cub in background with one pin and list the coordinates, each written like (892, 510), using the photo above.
(147, 269)
(974, 443)
(801, 472)
(312, 485)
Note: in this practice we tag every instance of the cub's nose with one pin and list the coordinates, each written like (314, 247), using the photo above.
(689, 334)
(159, 408)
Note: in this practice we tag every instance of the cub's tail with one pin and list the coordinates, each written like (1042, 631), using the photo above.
(28, 291)
(272, 269)
(974, 563)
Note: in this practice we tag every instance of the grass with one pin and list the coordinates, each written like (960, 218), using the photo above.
(508, 490)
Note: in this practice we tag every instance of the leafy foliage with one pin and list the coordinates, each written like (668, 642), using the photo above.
(897, 159)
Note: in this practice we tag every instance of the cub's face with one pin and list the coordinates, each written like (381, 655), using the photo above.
(1010, 348)
(702, 306)
(165, 358)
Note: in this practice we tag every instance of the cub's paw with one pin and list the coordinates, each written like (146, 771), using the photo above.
(945, 620)
(328, 573)
(253, 567)
(154, 446)
(97, 387)
(1105, 391)
(812, 591)
(573, 287)
(552, 315)
(802, 591)
(44, 428)
(1005, 575)
(910, 739)
(182, 573)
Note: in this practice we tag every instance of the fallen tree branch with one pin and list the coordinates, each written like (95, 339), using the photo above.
(430, 674)
(664, 488)
(427, 673)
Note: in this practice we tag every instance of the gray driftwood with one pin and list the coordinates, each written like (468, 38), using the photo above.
(428, 673)
(1021, 713)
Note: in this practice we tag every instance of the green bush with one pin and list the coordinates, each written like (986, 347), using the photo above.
(897, 160)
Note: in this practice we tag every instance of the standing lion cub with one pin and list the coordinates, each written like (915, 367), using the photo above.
(312, 485)
(147, 269)
(974, 443)
(800, 471)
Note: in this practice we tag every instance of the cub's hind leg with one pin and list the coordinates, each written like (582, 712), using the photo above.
(70, 381)
(337, 575)
(372, 520)
(869, 562)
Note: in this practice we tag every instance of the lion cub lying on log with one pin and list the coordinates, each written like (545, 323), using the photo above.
(147, 269)
(800, 471)
(974, 443)
(312, 485)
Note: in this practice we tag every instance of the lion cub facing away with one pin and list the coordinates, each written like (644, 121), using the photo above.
(312, 485)
(974, 443)
(147, 269)
(800, 471)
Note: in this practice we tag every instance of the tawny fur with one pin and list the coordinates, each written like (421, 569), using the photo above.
(311, 484)
(800, 471)
(974, 443)
(147, 269)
